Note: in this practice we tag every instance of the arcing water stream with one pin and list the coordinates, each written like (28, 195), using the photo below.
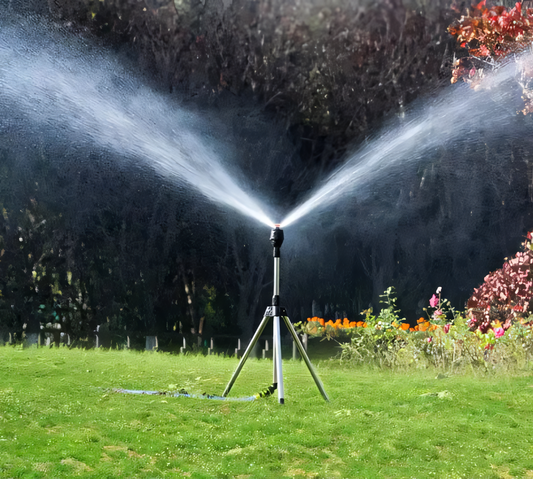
(61, 82)
(54, 80)
(454, 115)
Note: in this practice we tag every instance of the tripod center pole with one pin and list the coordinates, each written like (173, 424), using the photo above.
(275, 297)
(276, 238)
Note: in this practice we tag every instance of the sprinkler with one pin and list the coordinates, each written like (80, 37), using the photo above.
(276, 312)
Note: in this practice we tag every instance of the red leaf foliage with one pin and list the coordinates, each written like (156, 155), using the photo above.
(491, 32)
(506, 295)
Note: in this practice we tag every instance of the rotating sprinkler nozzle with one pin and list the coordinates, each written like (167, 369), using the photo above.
(276, 238)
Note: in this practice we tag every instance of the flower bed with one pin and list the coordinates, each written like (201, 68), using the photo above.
(495, 330)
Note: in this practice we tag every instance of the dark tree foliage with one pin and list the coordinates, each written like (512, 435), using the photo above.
(330, 69)
(124, 249)
(75, 252)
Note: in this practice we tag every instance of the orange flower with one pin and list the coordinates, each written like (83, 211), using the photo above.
(404, 326)
(321, 321)
(420, 320)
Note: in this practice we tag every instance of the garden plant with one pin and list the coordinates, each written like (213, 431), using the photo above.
(494, 331)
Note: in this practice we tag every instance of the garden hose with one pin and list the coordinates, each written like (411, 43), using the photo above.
(268, 391)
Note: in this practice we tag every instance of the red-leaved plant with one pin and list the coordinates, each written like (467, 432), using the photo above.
(506, 295)
(491, 34)
(494, 31)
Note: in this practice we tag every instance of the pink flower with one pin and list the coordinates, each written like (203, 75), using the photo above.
(434, 301)
(429, 339)
(447, 328)
(499, 332)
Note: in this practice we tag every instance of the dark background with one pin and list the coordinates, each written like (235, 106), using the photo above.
(293, 87)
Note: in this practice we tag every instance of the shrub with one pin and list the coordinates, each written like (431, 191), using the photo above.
(506, 294)
(381, 336)
(491, 35)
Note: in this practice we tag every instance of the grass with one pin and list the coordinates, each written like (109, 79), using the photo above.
(58, 420)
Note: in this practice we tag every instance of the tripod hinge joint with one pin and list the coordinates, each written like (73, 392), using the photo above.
(273, 311)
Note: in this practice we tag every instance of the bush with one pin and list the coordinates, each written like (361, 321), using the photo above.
(506, 294)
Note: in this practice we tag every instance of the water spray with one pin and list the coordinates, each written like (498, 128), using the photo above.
(446, 118)
(48, 81)
(276, 312)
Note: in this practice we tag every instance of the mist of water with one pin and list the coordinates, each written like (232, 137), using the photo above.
(456, 114)
(86, 95)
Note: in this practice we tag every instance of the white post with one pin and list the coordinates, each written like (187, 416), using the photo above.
(266, 348)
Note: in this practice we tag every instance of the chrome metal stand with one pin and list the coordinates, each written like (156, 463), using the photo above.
(276, 312)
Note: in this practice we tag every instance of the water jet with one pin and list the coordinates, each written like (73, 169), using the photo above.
(422, 131)
(94, 99)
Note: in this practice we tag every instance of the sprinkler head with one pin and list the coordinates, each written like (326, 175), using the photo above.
(276, 237)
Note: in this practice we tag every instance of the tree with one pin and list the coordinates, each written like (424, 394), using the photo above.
(491, 35)
(28, 268)
(330, 70)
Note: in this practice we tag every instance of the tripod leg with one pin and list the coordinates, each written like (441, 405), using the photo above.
(253, 341)
(274, 370)
(278, 373)
(301, 349)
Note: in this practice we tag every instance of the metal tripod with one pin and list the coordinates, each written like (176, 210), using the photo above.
(276, 312)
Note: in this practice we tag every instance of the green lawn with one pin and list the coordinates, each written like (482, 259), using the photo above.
(57, 420)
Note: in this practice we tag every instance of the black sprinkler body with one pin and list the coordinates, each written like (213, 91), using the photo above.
(276, 238)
